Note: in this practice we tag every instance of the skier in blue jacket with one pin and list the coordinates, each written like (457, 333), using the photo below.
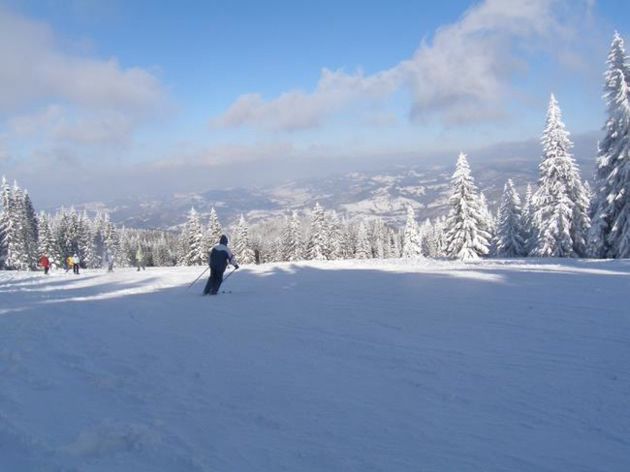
(218, 259)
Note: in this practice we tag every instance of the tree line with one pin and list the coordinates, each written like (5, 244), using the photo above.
(563, 217)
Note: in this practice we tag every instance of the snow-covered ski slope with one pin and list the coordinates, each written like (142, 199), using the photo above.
(348, 366)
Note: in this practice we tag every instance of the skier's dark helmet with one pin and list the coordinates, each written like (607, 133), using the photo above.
(223, 240)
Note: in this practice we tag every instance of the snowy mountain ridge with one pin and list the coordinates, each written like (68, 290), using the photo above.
(384, 193)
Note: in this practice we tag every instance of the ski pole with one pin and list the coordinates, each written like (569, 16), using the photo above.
(228, 276)
(200, 275)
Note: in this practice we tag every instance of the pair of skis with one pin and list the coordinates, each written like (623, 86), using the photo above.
(206, 270)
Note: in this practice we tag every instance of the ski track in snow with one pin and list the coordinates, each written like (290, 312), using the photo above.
(349, 366)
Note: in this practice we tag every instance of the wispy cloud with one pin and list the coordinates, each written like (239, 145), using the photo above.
(462, 74)
(51, 91)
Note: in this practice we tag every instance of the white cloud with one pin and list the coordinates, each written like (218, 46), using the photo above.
(297, 110)
(464, 74)
(61, 124)
(51, 93)
(34, 67)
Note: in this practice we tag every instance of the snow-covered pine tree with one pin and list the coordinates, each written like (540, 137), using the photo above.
(509, 237)
(127, 250)
(377, 235)
(489, 221)
(98, 240)
(276, 253)
(387, 246)
(47, 245)
(396, 243)
(111, 238)
(259, 247)
(9, 229)
(348, 239)
(292, 239)
(85, 242)
(162, 254)
(192, 252)
(31, 231)
(74, 231)
(62, 233)
(411, 245)
(242, 247)
(214, 231)
(20, 241)
(466, 234)
(439, 236)
(428, 238)
(362, 249)
(527, 223)
(561, 203)
(610, 232)
(317, 241)
(334, 236)
(439, 231)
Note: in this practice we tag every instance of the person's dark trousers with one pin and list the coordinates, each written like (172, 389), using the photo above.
(76, 268)
(46, 270)
(214, 281)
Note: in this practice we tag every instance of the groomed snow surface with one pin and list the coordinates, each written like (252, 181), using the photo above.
(348, 366)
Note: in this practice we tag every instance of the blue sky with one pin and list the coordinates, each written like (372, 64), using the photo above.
(134, 88)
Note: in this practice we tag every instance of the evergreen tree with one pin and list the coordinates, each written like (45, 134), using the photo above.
(74, 232)
(292, 239)
(377, 238)
(317, 243)
(489, 221)
(111, 239)
(412, 245)
(561, 203)
(348, 239)
(466, 234)
(63, 234)
(127, 249)
(439, 245)
(527, 223)
(510, 231)
(214, 232)
(192, 242)
(10, 230)
(362, 250)
(22, 246)
(162, 253)
(395, 244)
(85, 242)
(277, 253)
(334, 237)
(242, 246)
(46, 244)
(610, 233)
(428, 238)
(30, 231)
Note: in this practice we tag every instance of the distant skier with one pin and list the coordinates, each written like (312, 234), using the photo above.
(75, 264)
(218, 259)
(68, 263)
(140, 259)
(45, 263)
(109, 261)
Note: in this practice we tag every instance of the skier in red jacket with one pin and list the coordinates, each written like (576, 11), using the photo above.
(45, 263)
